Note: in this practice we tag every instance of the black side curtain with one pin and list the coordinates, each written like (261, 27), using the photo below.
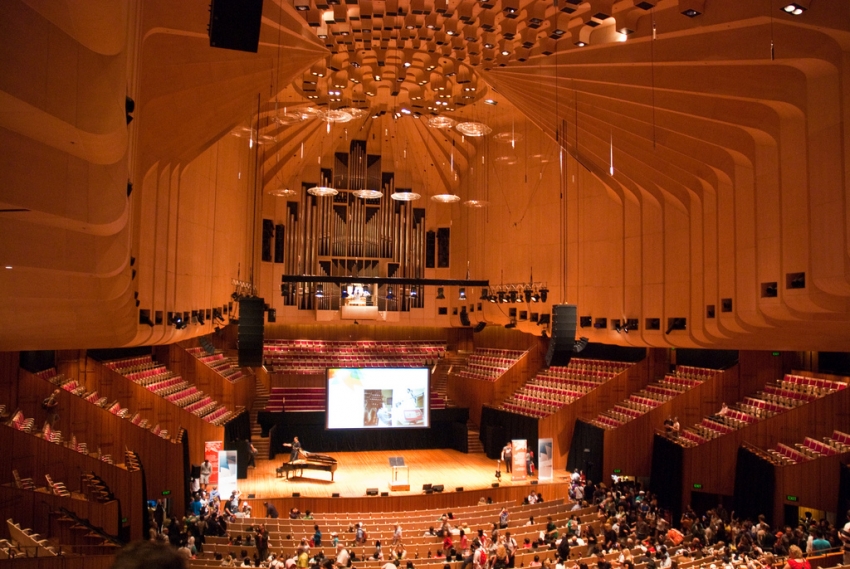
(755, 485)
(843, 492)
(238, 428)
(586, 451)
(666, 474)
(499, 426)
(447, 430)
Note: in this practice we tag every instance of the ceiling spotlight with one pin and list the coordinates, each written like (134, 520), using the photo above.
(794, 8)
(461, 294)
(543, 293)
(440, 294)
(472, 128)
(367, 194)
(405, 195)
(535, 296)
(513, 295)
(501, 296)
(320, 292)
(527, 293)
(201, 317)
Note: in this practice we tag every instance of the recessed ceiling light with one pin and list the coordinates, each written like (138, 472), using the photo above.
(580, 44)
(691, 13)
(490, 102)
(8, 266)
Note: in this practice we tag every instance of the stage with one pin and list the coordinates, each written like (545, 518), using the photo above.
(357, 471)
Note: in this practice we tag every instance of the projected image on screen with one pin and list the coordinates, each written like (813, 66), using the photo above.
(377, 398)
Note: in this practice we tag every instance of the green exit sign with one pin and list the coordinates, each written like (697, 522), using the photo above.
(775, 354)
(697, 486)
(791, 498)
(618, 471)
(166, 492)
(123, 520)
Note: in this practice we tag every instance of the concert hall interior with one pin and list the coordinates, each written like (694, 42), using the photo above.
(614, 232)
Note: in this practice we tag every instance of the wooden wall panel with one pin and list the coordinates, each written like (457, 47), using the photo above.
(560, 425)
(629, 447)
(98, 428)
(713, 464)
(35, 457)
(815, 483)
(9, 363)
(233, 394)
(30, 509)
(136, 397)
(445, 501)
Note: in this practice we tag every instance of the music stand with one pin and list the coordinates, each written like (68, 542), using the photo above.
(400, 480)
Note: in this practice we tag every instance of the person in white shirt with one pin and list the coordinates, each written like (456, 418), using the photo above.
(342, 556)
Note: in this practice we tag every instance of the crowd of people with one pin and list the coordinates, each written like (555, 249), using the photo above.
(634, 530)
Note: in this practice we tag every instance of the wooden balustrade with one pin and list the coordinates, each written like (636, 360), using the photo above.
(629, 447)
(136, 397)
(31, 509)
(233, 394)
(161, 458)
(713, 463)
(34, 457)
(560, 425)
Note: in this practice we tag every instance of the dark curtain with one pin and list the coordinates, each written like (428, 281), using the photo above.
(586, 451)
(145, 521)
(38, 360)
(711, 359)
(187, 468)
(242, 453)
(499, 426)
(238, 428)
(666, 474)
(310, 430)
(755, 485)
(611, 352)
(843, 492)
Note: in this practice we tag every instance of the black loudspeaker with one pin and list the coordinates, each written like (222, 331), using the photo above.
(534, 481)
(296, 494)
(426, 486)
(272, 315)
(235, 24)
(250, 344)
(429, 491)
(371, 491)
(480, 326)
(438, 487)
(495, 484)
(563, 335)
(335, 495)
(384, 494)
(464, 317)
(459, 489)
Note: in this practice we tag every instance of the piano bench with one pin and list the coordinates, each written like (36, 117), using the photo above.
(279, 471)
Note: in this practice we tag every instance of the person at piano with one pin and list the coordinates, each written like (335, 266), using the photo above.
(296, 446)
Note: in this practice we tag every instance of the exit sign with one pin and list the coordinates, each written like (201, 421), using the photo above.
(791, 498)
(618, 471)
(166, 492)
(775, 354)
(697, 486)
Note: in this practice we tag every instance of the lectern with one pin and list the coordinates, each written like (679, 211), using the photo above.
(400, 474)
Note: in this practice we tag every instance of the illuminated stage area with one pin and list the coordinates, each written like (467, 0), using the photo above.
(358, 471)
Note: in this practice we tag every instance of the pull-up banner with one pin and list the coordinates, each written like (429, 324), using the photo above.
(544, 459)
(518, 472)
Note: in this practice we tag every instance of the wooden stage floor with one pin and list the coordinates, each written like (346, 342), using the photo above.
(357, 471)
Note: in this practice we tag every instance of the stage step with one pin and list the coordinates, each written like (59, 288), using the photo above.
(473, 438)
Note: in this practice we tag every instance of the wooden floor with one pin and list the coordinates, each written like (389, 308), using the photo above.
(357, 471)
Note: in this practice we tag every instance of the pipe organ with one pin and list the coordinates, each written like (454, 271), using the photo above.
(345, 235)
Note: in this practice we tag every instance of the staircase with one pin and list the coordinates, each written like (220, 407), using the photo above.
(260, 401)
(439, 379)
(473, 438)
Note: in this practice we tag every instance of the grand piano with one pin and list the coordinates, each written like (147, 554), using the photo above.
(307, 461)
